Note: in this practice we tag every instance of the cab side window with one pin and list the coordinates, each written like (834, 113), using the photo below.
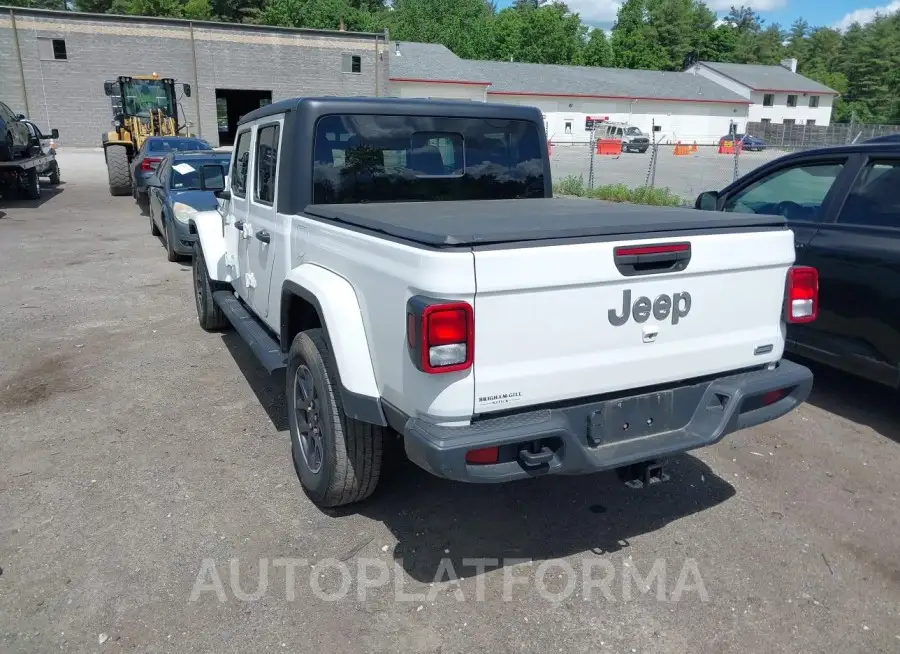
(874, 199)
(240, 164)
(797, 192)
(266, 163)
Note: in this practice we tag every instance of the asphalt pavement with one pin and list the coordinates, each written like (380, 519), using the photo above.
(148, 502)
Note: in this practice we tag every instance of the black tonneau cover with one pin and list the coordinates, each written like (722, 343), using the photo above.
(484, 222)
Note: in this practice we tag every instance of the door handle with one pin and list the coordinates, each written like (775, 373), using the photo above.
(239, 225)
(263, 236)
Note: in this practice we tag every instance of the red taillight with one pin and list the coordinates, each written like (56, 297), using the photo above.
(802, 297)
(446, 326)
(440, 336)
(773, 396)
(485, 455)
(149, 163)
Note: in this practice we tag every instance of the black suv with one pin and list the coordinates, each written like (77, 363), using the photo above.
(843, 205)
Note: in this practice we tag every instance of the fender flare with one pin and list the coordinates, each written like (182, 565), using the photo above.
(340, 316)
(208, 225)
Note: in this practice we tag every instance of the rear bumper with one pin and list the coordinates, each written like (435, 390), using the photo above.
(140, 181)
(593, 436)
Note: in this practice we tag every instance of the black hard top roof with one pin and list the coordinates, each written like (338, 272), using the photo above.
(866, 147)
(485, 222)
(397, 106)
(200, 154)
(176, 137)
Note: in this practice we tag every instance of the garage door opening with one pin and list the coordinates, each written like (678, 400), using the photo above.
(231, 104)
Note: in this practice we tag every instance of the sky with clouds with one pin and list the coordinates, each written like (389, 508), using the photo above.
(833, 13)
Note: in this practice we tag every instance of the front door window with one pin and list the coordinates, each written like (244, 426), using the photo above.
(797, 192)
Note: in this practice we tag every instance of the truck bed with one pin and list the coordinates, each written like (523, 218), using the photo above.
(26, 164)
(496, 222)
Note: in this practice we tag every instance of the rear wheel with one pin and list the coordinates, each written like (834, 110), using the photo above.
(338, 459)
(117, 170)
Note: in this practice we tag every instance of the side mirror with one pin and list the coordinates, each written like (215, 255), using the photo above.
(54, 133)
(109, 88)
(187, 90)
(153, 181)
(20, 116)
(707, 201)
(223, 194)
(212, 177)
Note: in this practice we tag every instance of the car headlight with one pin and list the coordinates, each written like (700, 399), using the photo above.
(183, 212)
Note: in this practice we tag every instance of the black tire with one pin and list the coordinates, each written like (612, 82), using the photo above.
(350, 452)
(54, 174)
(209, 314)
(171, 254)
(117, 170)
(32, 184)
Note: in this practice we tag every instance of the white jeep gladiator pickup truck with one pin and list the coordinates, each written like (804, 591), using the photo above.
(405, 262)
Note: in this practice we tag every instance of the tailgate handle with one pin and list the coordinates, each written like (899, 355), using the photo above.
(632, 260)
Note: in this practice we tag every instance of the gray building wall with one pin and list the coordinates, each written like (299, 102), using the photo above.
(68, 94)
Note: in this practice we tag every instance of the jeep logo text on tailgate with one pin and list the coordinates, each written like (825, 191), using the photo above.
(677, 305)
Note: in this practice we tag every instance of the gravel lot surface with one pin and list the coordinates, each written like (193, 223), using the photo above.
(137, 451)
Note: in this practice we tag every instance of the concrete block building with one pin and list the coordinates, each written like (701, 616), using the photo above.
(53, 66)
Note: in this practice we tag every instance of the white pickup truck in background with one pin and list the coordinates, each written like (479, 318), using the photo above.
(404, 261)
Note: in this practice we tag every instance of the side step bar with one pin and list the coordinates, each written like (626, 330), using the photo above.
(261, 342)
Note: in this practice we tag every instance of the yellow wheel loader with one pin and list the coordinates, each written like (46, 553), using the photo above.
(143, 106)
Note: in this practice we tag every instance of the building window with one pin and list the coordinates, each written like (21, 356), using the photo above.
(788, 122)
(813, 101)
(769, 100)
(766, 121)
(811, 122)
(792, 101)
(351, 63)
(52, 49)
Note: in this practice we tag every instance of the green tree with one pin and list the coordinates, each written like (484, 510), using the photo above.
(632, 43)
(461, 25)
(597, 50)
(94, 6)
(59, 5)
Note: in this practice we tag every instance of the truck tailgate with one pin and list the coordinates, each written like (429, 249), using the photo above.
(565, 321)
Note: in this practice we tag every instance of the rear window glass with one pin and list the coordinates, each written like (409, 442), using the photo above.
(168, 145)
(410, 159)
(187, 174)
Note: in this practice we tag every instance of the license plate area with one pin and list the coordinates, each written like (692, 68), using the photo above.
(633, 417)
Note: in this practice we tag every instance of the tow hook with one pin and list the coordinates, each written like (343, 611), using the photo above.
(643, 475)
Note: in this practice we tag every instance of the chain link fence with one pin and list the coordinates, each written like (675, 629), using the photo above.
(684, 170)
(813, 136)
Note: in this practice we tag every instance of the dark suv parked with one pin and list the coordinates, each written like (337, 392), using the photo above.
(843, 205)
